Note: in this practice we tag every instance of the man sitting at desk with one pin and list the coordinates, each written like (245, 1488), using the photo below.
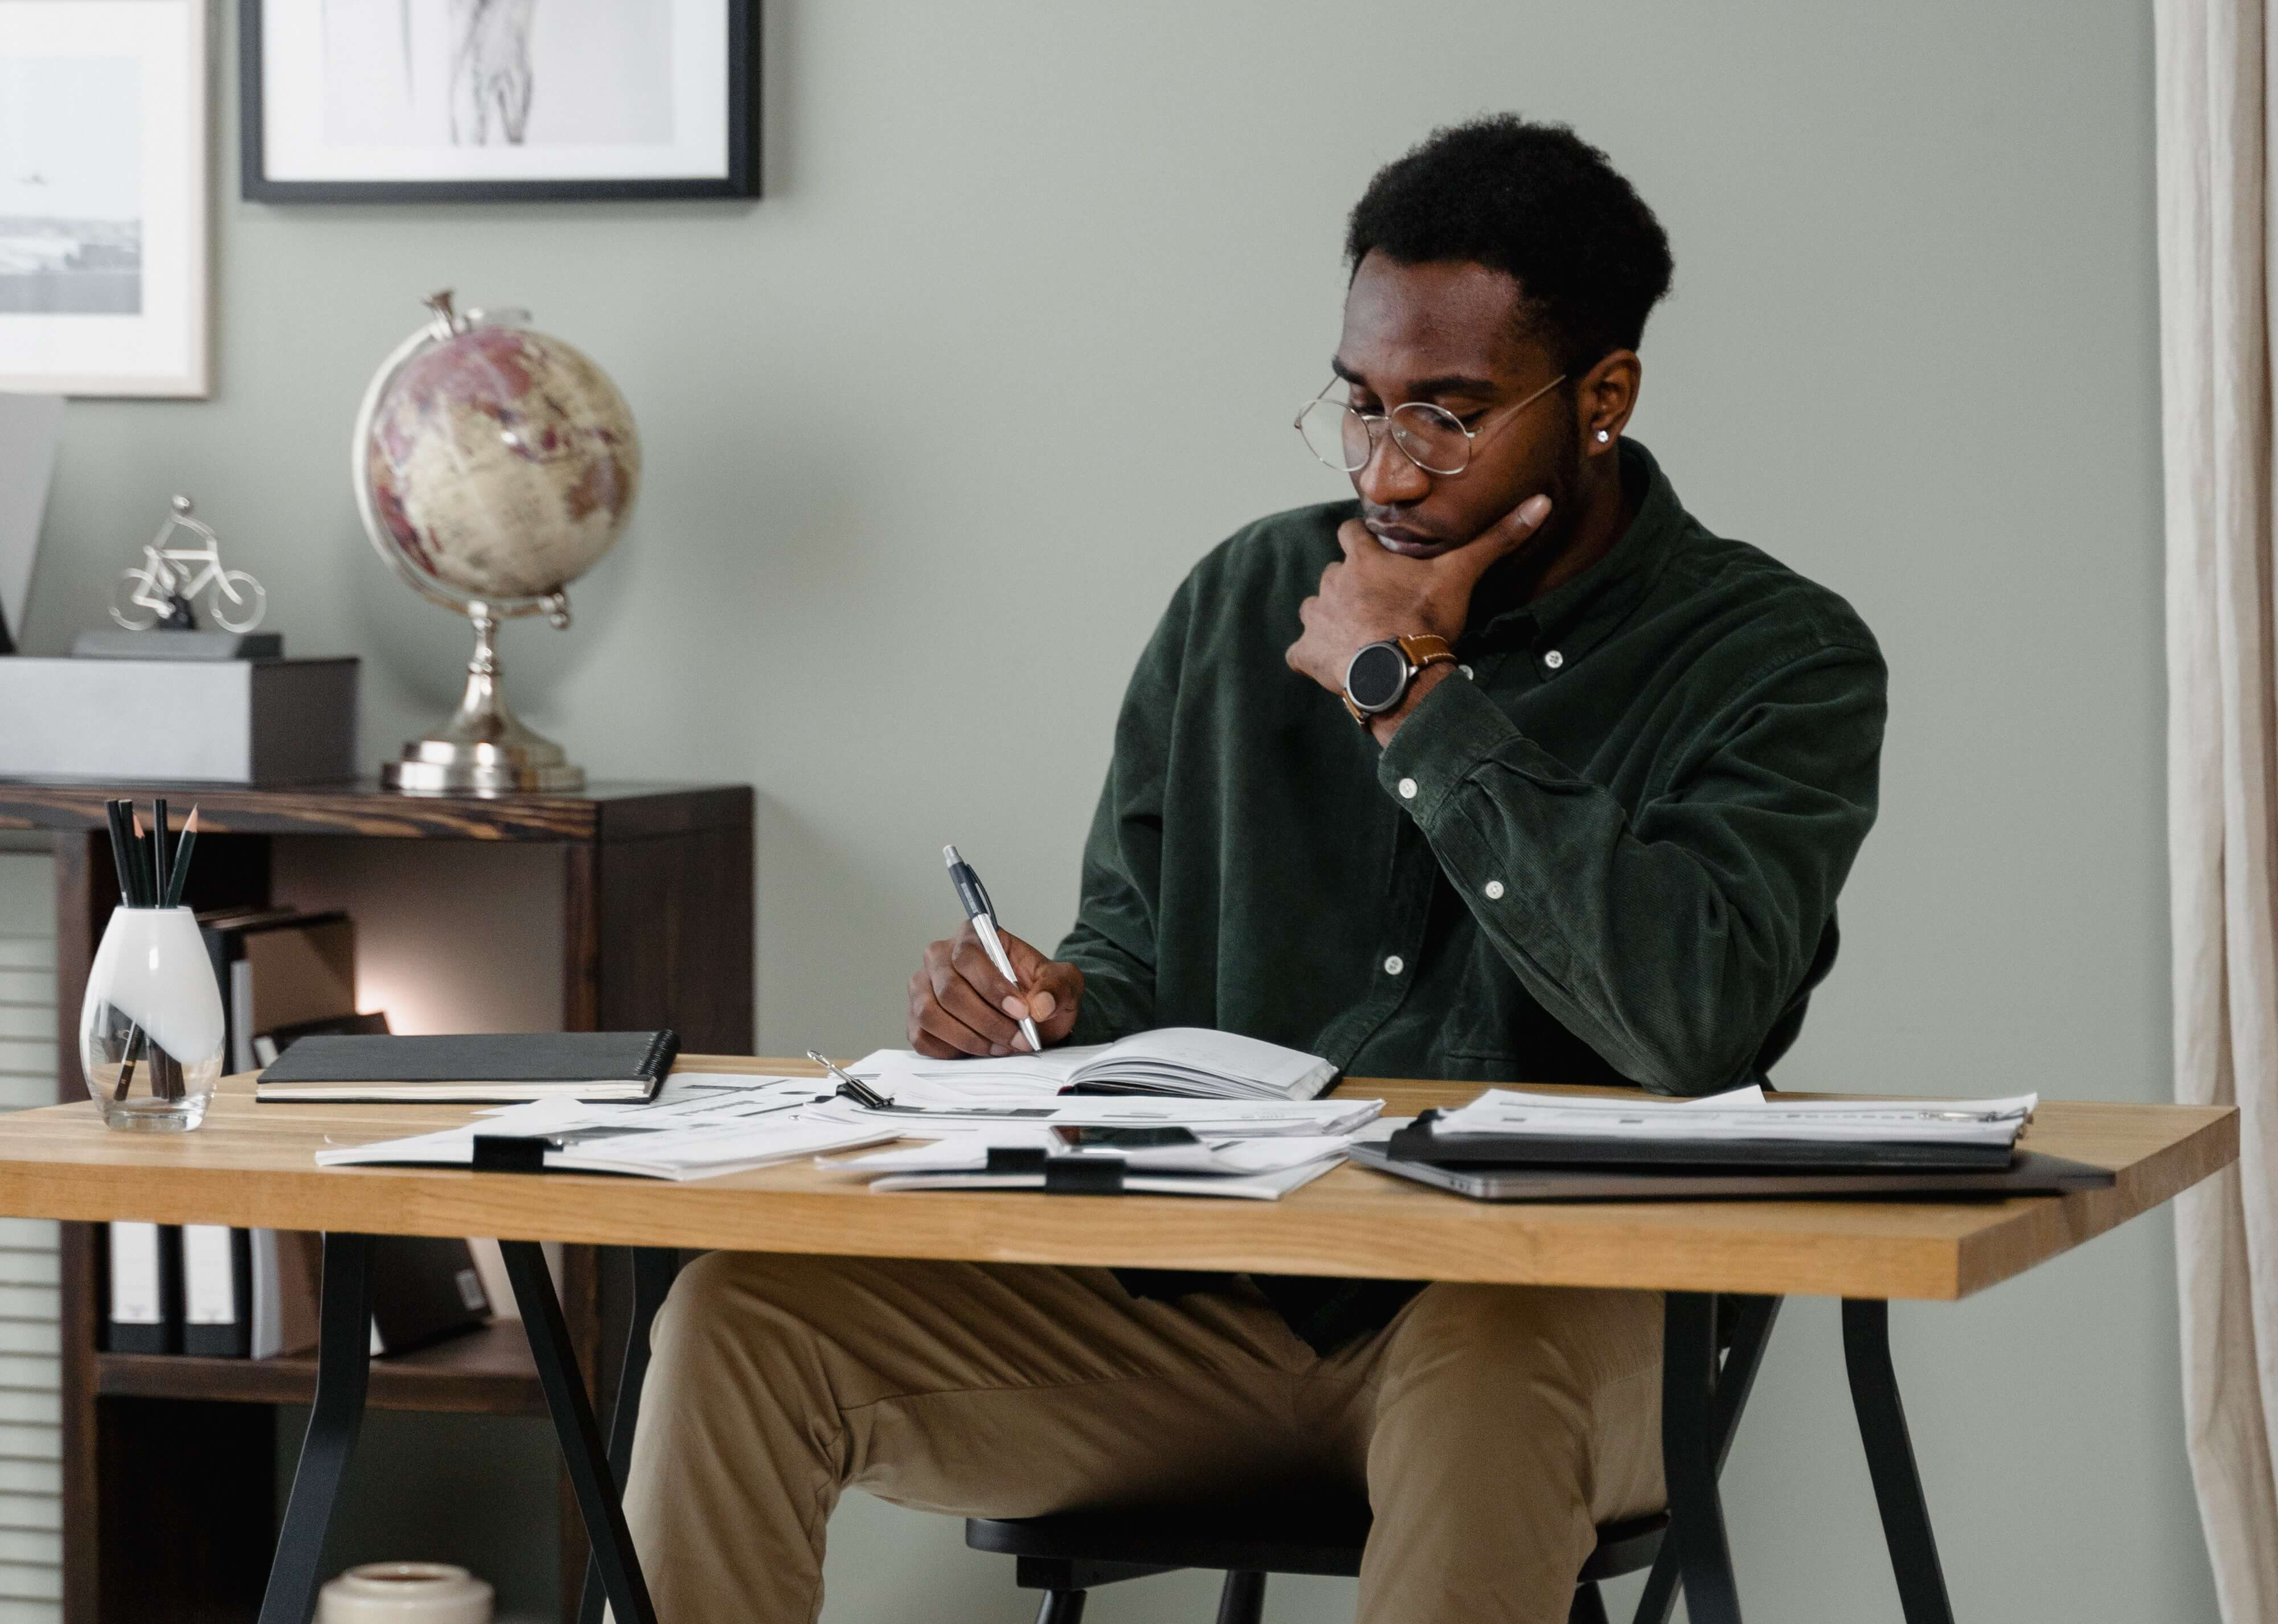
(1509, 770)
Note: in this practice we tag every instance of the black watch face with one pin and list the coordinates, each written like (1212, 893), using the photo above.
(1377, 676)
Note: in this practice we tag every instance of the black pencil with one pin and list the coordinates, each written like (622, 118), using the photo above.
(144, 896)
(159, 868)
(126, 1066)
(114, 812)
(181, 863)
(130, 883)
(165, 1070)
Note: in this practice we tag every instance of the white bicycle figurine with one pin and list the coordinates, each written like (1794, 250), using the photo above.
(161, 590)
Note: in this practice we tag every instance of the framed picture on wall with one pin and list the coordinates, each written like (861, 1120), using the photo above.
(103, 239)
(494, 100)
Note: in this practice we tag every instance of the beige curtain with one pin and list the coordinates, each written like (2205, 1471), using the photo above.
(2217, 262)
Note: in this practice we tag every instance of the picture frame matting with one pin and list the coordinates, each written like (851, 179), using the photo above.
(448, 136)
(106, 237)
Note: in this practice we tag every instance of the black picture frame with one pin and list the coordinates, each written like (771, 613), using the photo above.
(741, 180)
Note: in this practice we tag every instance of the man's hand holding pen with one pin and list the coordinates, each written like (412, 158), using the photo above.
(960, 1006)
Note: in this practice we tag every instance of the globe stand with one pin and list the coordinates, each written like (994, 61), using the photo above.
(483, 749)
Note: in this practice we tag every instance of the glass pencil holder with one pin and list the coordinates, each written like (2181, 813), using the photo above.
(150, 1029)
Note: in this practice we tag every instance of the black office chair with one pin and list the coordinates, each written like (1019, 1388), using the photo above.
(1069, 1554)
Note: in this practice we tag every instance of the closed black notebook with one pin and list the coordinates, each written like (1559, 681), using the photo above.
(486, 1068)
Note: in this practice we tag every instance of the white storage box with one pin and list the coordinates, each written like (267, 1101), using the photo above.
(221, 721)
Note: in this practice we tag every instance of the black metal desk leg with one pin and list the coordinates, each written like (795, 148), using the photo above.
(1689, 1457)
(652, 1269)
(343, 1370)
(579, 1436)
(1890, 1462)
(1751, 1320)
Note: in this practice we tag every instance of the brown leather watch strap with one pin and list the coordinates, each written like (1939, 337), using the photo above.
(1426, 649)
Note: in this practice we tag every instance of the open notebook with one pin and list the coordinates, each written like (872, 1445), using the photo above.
(1172, 1060)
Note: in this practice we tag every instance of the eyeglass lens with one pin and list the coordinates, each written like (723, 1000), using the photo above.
(1340, 437)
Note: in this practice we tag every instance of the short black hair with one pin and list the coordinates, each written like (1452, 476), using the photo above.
(1535, 201)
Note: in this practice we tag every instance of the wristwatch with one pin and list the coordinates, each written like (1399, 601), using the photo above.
(1378, 676)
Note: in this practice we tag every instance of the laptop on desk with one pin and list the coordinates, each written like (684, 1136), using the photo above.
(2030, 1173)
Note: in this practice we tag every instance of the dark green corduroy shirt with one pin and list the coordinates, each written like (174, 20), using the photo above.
(1610, 855)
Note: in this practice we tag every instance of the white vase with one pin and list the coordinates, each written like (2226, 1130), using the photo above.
(405, 1593)
(150, 1026)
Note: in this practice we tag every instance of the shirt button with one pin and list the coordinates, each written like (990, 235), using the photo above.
(1395, 964)
(1494, 890)
(1407, 788)
(1554, 659)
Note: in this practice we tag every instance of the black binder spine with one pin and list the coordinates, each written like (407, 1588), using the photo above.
(215, 1285)
(144, 1249)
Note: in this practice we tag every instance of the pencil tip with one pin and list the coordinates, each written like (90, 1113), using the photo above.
(193, 822)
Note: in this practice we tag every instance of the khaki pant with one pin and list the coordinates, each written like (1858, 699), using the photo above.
(1492, 1426)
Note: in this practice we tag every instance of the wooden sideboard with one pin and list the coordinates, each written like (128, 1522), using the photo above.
(656, 905)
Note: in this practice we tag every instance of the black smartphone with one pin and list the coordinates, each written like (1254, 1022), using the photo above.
(1100, 1138)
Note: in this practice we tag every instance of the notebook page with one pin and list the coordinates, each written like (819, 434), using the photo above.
(899, 1071)
(1198, 1050)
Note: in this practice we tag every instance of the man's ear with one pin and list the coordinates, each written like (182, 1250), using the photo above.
(1607, 396)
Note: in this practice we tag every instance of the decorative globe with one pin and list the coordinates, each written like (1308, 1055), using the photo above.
(500, 464)
(492, 466)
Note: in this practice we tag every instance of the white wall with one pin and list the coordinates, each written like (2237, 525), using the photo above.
(1016, 336)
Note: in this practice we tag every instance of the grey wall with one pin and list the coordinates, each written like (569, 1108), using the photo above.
(1016, 336)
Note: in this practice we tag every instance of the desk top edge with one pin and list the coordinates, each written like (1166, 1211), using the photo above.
(1353, 1222)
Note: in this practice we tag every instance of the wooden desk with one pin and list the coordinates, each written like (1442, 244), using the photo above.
(252, 1166)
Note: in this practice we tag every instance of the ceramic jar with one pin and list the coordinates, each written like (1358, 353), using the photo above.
(405, 1593)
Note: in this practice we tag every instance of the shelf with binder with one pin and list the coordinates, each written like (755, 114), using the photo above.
(647, 890)
(486, 1372)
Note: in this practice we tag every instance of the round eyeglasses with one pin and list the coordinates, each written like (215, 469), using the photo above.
(1430, 437)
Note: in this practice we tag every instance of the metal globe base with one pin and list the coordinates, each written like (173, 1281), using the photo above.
(483, 749)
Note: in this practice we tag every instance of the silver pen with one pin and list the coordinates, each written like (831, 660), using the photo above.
(978, 908)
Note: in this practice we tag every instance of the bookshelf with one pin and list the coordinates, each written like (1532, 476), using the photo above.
(651, 885)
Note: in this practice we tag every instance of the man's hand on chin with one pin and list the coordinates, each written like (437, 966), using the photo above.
(1372, 594)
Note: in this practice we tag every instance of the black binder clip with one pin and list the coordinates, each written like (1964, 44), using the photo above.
(1414, 1142)
(508, 1153)
(1083, 1176)
(1063, 1175)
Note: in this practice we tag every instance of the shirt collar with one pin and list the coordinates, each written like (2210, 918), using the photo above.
(1576, 614)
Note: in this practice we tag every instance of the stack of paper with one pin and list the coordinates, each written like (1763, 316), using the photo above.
(702, 1126)
(1744, 1115)
(1251, 1169)
(702, 1134)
